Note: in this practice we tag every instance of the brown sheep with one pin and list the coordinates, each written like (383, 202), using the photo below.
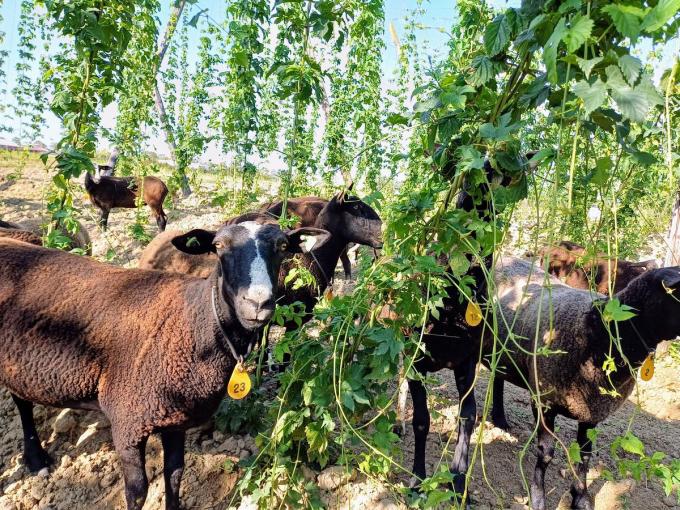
(152, 350)
(307, 209)
(160, 254)
(80, 240)
(20, 235)
(108, 192)
(569, 322)
(567, 261)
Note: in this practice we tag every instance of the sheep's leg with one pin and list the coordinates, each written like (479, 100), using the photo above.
(497, 406)
(134, 472)
(421, 425)
(173, 466)
(545, 453)
(400, 427)
(579, 490)
(465, 378)
(35, 456)
(346, 264)
(104, 219)
(161, 219)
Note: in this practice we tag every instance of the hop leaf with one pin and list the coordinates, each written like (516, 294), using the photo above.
(497, 35)
(578, 33)
(659, 15)
(593, 96)
(626, 18)
(630, 67)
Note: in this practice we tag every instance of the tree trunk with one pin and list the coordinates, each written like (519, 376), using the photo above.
(673, 241)
(175, 14)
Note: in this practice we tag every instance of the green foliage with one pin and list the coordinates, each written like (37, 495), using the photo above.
(187, 101)
(28, 93)
(642, 466)
(559, 78)
(236, 117)
(85, 79)
(135, 102)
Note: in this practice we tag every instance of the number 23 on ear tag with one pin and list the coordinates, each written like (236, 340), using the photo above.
(473, 314)
(647, 368)
(239, 383)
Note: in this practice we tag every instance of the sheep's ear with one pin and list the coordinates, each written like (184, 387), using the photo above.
(340, 197)
(671, 279)
(306, 239)
(647, 264)
(195, 242)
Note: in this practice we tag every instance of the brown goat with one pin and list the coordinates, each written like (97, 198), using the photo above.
(568, 261)
(152, 350)
(108, 192)
(307, 209)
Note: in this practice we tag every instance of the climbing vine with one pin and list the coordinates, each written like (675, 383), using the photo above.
(238, 116)
(28, 94)
(135, 103)
(85, 78)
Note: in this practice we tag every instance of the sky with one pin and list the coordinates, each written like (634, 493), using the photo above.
(439, 16)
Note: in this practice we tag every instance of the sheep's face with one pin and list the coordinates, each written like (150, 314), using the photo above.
(662, 306)
(352, 220)
(250, 255)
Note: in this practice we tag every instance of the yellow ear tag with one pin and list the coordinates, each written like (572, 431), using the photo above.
(647, 368)
(239, 383)
(329, 294)
(473, 314)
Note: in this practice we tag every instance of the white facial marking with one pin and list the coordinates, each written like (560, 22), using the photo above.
(260, 289)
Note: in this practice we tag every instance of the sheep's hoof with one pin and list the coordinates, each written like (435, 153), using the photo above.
(501, 423)
(399, 430)
(581, 501)
(458, 488)
(39, 462)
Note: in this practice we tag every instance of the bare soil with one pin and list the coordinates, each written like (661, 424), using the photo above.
(87, 473)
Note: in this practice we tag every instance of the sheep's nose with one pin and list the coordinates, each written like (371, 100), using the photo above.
(260, 304)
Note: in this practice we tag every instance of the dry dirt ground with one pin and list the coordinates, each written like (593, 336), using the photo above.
(87, 473)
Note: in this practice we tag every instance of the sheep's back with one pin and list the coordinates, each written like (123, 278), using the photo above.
(542, 311)
(161, 255)
(21, 235)
(66, 320)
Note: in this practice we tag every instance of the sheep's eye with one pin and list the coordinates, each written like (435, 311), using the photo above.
(219, 245)
(283, 246)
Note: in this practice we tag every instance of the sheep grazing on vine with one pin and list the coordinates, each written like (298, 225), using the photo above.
(539, 313)
(347, 219)
(450, 342)
(152, 350)
(307, 209)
